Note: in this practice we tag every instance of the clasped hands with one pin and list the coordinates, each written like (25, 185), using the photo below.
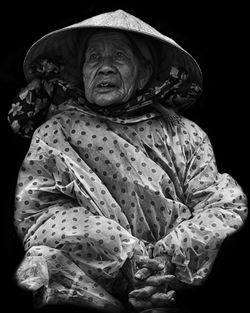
(152, 283)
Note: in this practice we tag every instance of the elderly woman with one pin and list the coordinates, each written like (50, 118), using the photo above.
(118, 199)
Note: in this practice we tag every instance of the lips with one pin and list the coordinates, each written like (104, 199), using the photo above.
(105, 85)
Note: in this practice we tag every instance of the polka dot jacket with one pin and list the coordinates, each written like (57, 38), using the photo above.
(94, 192)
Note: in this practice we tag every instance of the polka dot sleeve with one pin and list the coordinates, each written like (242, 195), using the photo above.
(218, 207)
(37, 192)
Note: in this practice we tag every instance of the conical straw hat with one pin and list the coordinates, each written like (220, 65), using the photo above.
(65, 43)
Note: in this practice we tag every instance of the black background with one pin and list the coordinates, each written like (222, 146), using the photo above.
(216, 37)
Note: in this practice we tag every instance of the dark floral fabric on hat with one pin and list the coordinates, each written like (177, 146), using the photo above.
(30, 107)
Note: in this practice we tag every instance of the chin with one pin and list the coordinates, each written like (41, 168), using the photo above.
(106, 102)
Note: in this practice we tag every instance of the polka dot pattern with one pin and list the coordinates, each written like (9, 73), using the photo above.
(91, 188)
(73, 285)
(81, 234)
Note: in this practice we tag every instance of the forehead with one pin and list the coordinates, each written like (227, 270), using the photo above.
(108, 37)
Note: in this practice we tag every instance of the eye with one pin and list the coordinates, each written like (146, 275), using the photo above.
(120, 55)
(93, 57)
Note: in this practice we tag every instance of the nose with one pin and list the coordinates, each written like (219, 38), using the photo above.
(107, 67)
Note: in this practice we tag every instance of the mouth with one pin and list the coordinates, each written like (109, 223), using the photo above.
(105, 86)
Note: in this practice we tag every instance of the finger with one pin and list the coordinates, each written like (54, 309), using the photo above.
(163, 298)
(142, 293)
(140, 304)
(142, 273)
(178, 285)
(151, 264)
(159, 280)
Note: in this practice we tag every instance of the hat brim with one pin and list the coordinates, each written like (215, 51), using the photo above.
(65, 44)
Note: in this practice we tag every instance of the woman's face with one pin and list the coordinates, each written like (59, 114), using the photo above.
(111, 71)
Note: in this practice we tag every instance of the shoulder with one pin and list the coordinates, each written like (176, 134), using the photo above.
(181, 125)
(191, 128)
(185, 133)
(55, 127)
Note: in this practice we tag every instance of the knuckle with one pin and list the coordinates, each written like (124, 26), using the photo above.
(161, 298)
(142, 273)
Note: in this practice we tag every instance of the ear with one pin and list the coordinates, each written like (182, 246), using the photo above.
(144, 75)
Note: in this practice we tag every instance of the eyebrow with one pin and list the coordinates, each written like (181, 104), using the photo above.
(90, 49)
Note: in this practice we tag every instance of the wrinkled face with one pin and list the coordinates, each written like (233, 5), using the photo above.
(111, 70)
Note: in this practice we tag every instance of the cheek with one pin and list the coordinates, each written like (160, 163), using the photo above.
(87, 79)
(86, 76)
(130, 77)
